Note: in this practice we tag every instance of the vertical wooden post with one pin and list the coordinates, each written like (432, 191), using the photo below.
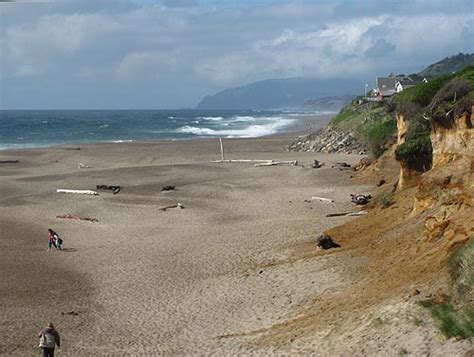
(222, 150)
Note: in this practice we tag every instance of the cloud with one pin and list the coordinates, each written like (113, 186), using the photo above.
(180, 3)
(185, 50)
(380, 48)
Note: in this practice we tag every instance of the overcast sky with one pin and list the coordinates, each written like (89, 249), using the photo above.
(132, 54)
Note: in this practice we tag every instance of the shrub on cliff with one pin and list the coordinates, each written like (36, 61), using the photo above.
(379, 134)
(422, 93)
(417, 151)
(455, 316)
(452, 101)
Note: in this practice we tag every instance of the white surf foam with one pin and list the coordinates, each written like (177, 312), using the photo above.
(211, 118)
(252, 131)
(196, 131)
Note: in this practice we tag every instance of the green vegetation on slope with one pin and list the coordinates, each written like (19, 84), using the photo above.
(448, 65)
(441, 99)
(455, 316)
(369, 121)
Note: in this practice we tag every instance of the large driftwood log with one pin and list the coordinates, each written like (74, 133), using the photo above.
(278, 163)
(358, 213)
(84, 192)
(9, 161)
(70, 216)
(239, 161)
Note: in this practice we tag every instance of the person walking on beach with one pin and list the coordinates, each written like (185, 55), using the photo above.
(49, 338)
(58, 240)
(54, 240)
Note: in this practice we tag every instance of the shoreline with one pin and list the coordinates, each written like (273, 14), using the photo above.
(303, 124)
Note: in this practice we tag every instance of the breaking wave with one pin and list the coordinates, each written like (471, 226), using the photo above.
(269, 127)
(211, 118)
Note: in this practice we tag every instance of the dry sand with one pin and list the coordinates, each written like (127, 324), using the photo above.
(143, 281)
(207, 279)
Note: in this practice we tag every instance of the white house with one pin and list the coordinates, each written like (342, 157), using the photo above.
(402, 84)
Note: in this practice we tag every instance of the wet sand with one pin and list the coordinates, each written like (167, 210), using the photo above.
(145, 282)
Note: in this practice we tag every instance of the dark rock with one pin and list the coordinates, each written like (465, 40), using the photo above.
(168, 188)
(325, 242)
(316, 164)
(73, 313)
(360, 199)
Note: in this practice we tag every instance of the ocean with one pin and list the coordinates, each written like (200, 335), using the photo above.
(44, 128)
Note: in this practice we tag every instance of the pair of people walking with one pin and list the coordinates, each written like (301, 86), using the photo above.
(54, 240)
(49, 339)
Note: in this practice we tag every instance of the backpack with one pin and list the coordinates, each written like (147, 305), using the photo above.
(47, 340)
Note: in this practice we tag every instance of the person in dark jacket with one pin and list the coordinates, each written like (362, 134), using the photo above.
(49, 339)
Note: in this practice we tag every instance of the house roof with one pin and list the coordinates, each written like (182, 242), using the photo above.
(384, 83)
(408, 82)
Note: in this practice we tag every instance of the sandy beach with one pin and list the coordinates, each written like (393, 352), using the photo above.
(142, 281)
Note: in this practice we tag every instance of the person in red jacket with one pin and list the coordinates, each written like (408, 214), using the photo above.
(49, 339)
(52, 239)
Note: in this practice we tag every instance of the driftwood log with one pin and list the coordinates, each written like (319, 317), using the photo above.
(83, 192)
(341, 214)
(239, 161)
(168, 188)
(9, 161)
(178, 205)
(114, 189)
(80, 218)
(324, 199)
(278, 163)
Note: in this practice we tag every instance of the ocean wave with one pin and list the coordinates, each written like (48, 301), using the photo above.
(245, 118)
(251, 131)
(211, 118)
(196, 131)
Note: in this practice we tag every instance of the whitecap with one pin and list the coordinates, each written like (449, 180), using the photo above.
(251, 131)
(196, 131)
(245, 118)
(211, 118)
